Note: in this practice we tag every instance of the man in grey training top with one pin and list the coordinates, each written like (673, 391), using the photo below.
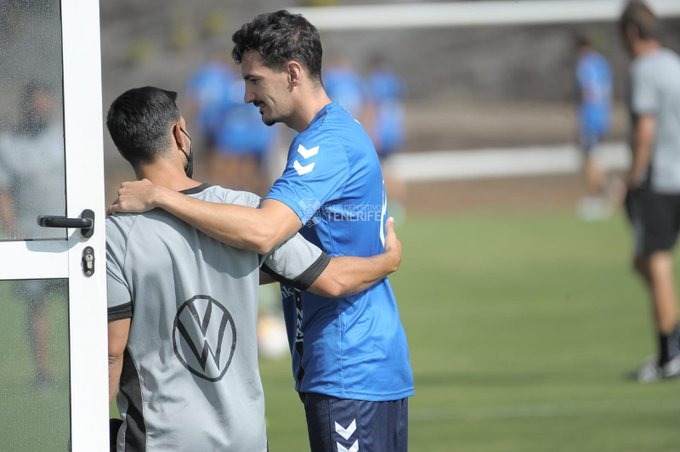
(653, 201)
(183, 306)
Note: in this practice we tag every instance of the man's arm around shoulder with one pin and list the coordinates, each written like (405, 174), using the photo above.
(347, 275)
(254, 229)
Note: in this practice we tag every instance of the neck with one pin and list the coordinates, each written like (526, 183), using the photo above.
(645, 47)
(310, 102)
(167, 174)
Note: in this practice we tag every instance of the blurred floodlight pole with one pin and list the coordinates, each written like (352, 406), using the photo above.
(473, 14)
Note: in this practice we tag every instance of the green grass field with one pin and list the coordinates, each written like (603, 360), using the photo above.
(522, 327)
(523, 330)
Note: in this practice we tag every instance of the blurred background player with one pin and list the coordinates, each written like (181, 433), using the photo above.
(207, 92)
(236, 141)
(653, 200)
(594, 97)
(384, 121)
(343, 83)
(32, 175)
(242, 143)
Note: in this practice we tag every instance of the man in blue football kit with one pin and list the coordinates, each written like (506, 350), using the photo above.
(594, 85)
(350, 356)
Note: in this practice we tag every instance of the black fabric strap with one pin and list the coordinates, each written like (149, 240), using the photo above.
(307, 277)
(122, 311)
(299, 344)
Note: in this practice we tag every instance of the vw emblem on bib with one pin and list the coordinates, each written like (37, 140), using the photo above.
(204, 337)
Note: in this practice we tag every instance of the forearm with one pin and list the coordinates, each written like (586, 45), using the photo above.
(347, 275)
(117, 341)
(351, 275)
(643, 139)
(115, 369)
(242, 227)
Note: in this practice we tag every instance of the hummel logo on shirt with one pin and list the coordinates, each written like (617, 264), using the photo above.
(305, 153)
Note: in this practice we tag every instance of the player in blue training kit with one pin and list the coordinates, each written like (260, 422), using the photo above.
(594, 85)
(353, 348)
(344, 85)
(350, 356)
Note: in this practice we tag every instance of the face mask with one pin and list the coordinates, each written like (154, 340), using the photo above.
(189, 168)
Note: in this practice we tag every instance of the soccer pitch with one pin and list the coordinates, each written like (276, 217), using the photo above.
(523, 330)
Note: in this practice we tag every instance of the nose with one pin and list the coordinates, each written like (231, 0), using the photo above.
(248, 97)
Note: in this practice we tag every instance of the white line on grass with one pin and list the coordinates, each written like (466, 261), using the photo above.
(543, 411)
(509, 162)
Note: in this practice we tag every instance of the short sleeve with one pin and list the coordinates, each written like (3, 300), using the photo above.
(644, 95)
(296, 262)
(315, 174)
(119, 297)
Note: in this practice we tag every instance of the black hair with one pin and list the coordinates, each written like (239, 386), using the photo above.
(582, 39)
(138, 121)
(280, 37)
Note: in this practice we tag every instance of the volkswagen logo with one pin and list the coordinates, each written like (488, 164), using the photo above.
(204, 337)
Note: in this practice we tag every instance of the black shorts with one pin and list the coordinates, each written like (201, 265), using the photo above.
(655, 219)
(346, 425)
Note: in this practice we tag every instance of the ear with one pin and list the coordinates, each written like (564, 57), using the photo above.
(295, 72)
(177, 134)
(632, 33)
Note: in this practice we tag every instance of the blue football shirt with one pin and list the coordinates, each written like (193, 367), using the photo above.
(594, 78)
(353, 347)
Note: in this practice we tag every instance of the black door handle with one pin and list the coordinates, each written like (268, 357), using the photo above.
(85, 223)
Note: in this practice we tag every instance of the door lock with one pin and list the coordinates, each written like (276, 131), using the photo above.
(88, 261)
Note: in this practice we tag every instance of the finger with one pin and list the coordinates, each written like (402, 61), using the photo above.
(389, 226)
(112, 209)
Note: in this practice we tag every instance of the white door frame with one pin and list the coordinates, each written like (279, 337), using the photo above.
(85, 190)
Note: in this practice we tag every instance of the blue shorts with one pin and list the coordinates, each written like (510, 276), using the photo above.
(343, 425)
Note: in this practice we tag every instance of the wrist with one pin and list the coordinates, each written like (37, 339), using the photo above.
(391, 260)
(159, 197)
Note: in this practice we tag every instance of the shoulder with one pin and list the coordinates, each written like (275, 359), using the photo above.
(217, 194)
(118, 225)
(326, 134)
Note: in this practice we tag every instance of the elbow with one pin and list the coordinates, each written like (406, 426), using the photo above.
(330, 287)
(115, 360)
(336, 291)
(263, 244)
(337, 288)
(264, 239)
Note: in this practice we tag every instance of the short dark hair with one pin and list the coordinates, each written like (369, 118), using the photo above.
(138, 121)
(581, 40)
(641, 16)
(280, 37)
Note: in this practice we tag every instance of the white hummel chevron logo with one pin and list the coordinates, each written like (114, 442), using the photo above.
(307, 153)
(303, 169)
(354, 448)
(346, 432)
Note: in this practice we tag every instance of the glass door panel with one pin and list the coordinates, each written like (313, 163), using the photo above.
(32, 163)
(34, 365)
